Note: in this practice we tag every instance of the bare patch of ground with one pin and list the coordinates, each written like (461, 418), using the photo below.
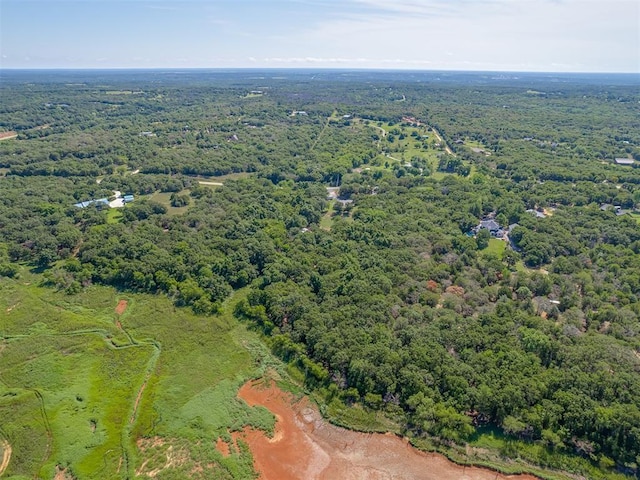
(6, 456)
(455, 290)
(62, 474)
(306, 447)
(121, 307)
(8, 135)
(605, 327)
(202, 182)
(174, 457)
(223, 447)
(147, 443)
(12, 307)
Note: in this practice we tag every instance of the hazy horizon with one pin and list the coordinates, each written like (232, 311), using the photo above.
(312, 69)
(541, 36)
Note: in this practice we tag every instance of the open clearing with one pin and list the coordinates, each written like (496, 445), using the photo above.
(164, 198)
(216, 184)
(307, 447)
(496, 247)
(411, 139)
(220, 179)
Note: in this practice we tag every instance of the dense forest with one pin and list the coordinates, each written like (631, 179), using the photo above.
(458, 251)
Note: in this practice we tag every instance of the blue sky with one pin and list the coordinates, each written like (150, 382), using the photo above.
(502, 35)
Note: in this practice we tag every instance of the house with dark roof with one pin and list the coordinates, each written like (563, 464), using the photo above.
(489, 224)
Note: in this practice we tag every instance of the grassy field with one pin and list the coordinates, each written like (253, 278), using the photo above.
(114, 396)
(327, 219)
(496, 247)
(402, 151)
(165, 199)
(223, 178)
(114, 215)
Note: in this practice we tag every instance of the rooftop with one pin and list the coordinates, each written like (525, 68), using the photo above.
(625, 161)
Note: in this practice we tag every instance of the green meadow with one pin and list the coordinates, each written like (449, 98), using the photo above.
(101, 395)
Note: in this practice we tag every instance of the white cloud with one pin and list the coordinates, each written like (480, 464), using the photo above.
(162, 7)
(489, 34)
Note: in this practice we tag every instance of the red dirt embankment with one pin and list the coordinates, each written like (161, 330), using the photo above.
(306, 447)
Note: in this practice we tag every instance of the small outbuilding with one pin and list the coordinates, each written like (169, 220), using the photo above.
(128, 198)
(99, 202)
(625, 161)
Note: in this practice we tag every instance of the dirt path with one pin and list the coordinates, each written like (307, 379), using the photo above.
(217, 184)
(306, 447)
(8, 135)
(382, 130)
(135, 405)
(439, 137)
(6, 456)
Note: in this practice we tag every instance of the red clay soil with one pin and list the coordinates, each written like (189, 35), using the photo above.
(306, 447)
(121, 307)
(223, 447)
